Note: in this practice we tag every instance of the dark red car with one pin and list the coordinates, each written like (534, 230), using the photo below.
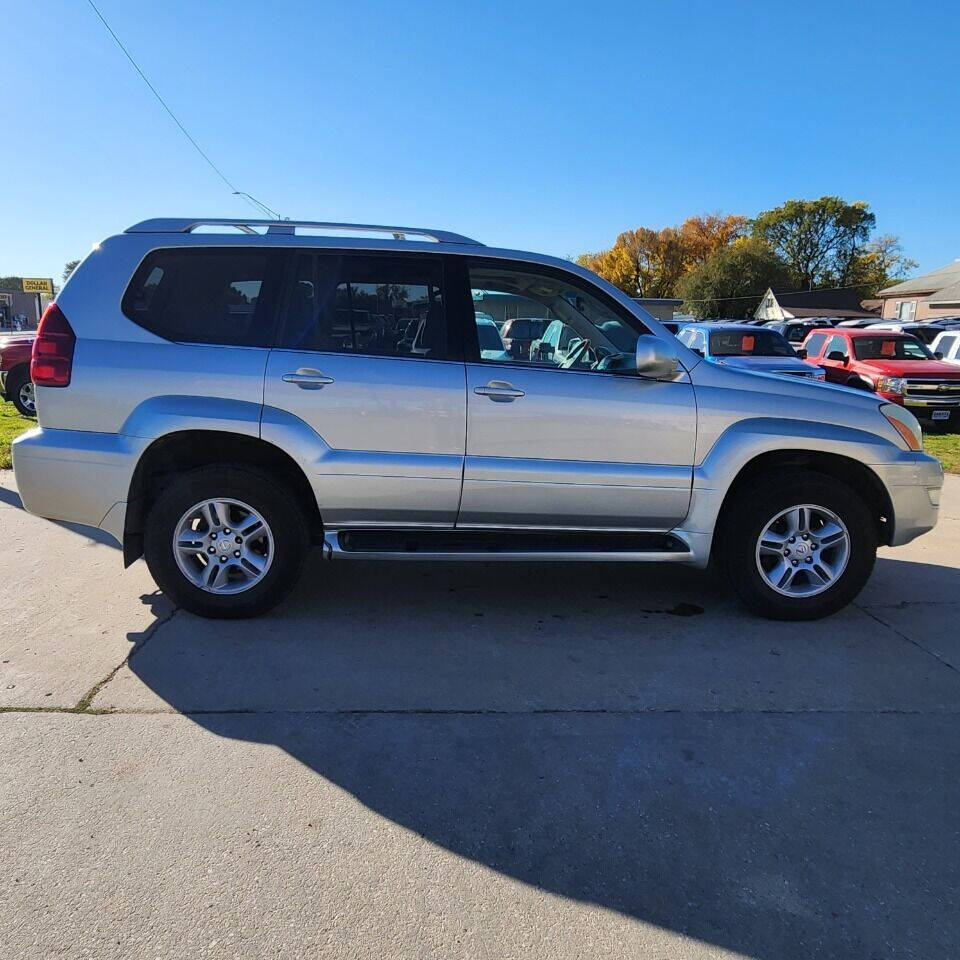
(897, 366)
(15, 383)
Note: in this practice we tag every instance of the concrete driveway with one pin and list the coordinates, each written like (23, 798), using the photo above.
(475, 761)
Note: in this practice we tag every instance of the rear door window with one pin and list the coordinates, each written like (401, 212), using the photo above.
(946, 346)
(370, 305)
(207, 295)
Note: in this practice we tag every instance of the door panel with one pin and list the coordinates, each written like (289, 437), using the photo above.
(584, 450)
(391, 434)
(364, 361)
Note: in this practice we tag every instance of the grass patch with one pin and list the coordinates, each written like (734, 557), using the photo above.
(946, 448)
(11, 425)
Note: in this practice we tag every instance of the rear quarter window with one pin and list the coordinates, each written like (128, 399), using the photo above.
(207, 295)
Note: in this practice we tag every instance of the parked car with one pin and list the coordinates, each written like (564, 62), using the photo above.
(759, 349)
(947, 346)
(519, 334)
(206, 398)
(926, 332)
(794, 331)
(15, 383)
(488, 336)
(896, 366)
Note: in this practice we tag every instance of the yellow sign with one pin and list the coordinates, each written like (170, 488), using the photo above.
(38, 286)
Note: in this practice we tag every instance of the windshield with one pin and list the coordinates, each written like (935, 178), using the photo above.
(890, 348)
(489, 337)
(749, 343)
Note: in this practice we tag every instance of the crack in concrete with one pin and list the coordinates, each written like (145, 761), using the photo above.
(84, 704)
(936, 656)
(85, 707)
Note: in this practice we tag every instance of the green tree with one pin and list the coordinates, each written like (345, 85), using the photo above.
(70, 266)
(730, 282)
(819, 240)
(881, 264)
(11, 283)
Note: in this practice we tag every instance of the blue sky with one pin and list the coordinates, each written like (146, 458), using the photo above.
(535, 124)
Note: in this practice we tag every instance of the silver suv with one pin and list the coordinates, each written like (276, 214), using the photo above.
(221, 395)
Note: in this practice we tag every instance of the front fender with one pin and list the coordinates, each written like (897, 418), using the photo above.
(747, 439)
(744, 441)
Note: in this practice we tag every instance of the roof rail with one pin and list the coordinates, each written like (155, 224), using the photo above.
(289, 228)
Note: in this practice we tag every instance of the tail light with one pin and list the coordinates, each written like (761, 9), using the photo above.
(51, 361)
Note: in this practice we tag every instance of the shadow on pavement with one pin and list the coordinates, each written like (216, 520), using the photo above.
(497, 711)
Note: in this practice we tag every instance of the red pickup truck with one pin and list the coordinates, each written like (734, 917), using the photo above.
(15, 383)
(897, 366)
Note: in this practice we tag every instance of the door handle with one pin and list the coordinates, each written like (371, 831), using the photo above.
(306, 378)
(499, 391)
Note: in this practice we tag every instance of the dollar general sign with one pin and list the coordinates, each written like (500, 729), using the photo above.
(33, 285)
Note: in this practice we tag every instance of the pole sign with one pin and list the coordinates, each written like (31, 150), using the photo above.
(35, 285)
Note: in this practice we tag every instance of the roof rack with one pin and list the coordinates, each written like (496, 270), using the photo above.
(289, 228)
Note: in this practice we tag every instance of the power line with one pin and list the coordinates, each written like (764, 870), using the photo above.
(173, 116)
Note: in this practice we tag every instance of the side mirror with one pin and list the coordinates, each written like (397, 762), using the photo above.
(938, 354)
(801, 353)
(656, 359)
(837, 355)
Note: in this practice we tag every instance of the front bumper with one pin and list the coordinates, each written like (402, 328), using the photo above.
(77, 476)
(914, 490)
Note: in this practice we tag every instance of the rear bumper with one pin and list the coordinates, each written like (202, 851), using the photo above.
(914, 490)
(76, 476)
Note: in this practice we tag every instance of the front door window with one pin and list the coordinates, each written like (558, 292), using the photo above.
(548, 321)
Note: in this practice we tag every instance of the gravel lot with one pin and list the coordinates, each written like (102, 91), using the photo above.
(463, 760)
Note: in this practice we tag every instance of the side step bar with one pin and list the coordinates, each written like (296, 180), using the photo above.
(502, 545)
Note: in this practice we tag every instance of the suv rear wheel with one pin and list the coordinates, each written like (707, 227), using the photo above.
(797, 546)
(225, 541)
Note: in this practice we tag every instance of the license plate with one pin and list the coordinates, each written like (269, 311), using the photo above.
(941, 414)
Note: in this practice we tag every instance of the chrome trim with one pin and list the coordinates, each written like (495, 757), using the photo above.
(930, 389)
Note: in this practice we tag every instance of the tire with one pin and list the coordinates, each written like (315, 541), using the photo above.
(280, 550)
(749, 515)
(20, 391)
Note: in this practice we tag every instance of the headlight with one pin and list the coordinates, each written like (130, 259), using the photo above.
(894, 385)
(906, 424)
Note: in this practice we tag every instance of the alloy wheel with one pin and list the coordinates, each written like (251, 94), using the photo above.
(28, 399)
(223, 546)
(803, 550)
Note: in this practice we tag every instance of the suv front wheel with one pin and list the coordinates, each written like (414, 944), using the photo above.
(226, 542)
(798, 546)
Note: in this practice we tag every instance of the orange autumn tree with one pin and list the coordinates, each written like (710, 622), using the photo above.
(650, 263)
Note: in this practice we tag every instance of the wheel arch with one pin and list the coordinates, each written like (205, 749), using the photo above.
(16, 368)
(178, 451)
(856, 475)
